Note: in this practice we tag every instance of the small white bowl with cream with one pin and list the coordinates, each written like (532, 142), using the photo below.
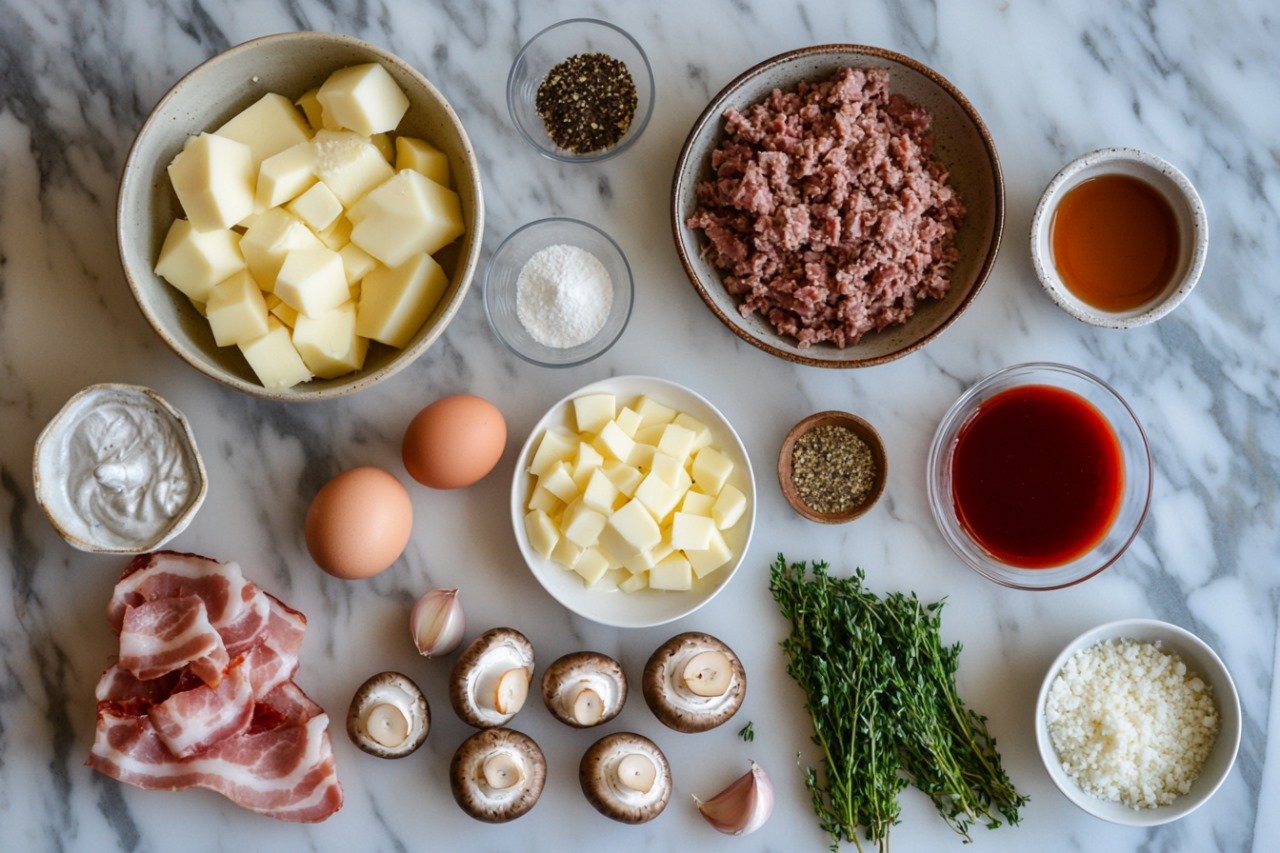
(117, 470)
(1119, 238)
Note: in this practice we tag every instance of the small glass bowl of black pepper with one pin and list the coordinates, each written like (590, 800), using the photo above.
(580, 91)
(832, 467)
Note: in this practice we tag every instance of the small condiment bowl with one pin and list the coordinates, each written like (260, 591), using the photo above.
(554, 45)
(503, 273)
(1160, 175)
(859, 427)
(1134, 499)
(1201, 660)
(53, 469)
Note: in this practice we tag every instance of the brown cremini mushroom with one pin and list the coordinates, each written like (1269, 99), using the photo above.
(626, 777)
(490, 681)
(694, 682)
(497, 775)
(584, 689)
(389, 716)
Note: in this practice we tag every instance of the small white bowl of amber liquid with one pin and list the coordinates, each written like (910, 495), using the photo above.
(1119, 238)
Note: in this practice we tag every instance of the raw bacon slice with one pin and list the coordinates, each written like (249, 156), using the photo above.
(203, 694)
(194, 720)
(161, 636)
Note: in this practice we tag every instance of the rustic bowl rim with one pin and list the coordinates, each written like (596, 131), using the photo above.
(715, 107)
(866, 432)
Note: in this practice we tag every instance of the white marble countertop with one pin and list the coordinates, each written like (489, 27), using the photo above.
(1194, 83)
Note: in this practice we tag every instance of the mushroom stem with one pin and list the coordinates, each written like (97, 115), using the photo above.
(588, 707)
(387, 725)
(501, 771)
(511, 691)
(636, 771)
(708, 673)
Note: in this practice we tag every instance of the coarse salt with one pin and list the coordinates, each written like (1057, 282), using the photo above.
(563, 296)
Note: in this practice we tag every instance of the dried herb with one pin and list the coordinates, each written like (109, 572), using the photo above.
(748, 732)
(881, 694)
(587, 102)
(832, 468)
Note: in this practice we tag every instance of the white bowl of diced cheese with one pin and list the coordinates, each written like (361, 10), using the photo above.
(314, 176)
(633, 501)
(1138, 722)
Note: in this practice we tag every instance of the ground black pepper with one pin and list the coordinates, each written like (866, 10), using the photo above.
(587, 102)
(832, 468)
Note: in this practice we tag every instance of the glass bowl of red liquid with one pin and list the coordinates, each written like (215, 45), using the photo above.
(1039, 476)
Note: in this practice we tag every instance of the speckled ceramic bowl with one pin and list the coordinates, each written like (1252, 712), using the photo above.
(290, 64)
(1193, 229)
(65, 490)
(963, 145)
(1201, 660)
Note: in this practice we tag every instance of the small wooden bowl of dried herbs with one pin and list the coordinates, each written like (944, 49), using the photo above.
(832, 467)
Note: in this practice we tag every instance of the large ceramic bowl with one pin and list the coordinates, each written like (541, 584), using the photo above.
(289, 64)
(645, 608)
(962, 144)
(1200, 659)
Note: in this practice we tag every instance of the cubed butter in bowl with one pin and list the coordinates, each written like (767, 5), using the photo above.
(633, 501)
(300, 216)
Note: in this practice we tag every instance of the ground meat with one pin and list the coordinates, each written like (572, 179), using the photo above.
(827, 213)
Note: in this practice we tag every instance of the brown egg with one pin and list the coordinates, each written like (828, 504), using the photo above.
(454, 442)
(359, 523)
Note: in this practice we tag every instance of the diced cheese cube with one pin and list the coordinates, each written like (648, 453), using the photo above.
(545, 501)
(586, 463)
(581, 525)
(592, 411)
(356, 262)
(635, 583)
(641, 561)
(628, 420)
(272, 235)
(711, 469)
(657, 496)
(635, 528)
(676, 441)
(559, 481)
(423, 157)
(236, 310)
(673, 573)
(364, 98)
(650, 434)
(396, 301)
(338, 235)
(555, 446)
(281, 310)
(541, 532)
(652, 412)
(600, 493)
(407, 213)
(701, 434)
(312, 281)
(349, 164)
(642, 456)
(268, 127)
(385, 147)
(696, 503)
(274, 360)
(729, 507)
(319, 208)
(285, 175)
(310, 106)
(670, 471)
(566, 553)
(616, 443)
(329, 344)
(213, 178)
(591, 565)
(692, 532)
(715, 555)
(194, 261)
(623, 476)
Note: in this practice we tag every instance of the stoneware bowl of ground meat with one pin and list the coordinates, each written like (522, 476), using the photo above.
(838, 205)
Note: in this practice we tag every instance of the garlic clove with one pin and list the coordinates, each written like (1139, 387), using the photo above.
(437, 623)
(708, 673)
(743, 807)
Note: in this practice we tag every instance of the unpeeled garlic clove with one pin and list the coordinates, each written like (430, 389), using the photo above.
(437, 623)
(743, 807)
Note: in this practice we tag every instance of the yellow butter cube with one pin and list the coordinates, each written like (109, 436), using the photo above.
(670, 471)
(268, 127)
(545, 501)
(715, 555)
(650, 434)
(285, 175)
(615, 443)
(701, 434)
(270, 237)
(587, 461)
(555, 446)
(635, 583)
(406, 213)
(623, 476)
(364, 98)
(558, 480)
(592, 411)
(676, 441)
(396, 301)
(711, 469)
(581, 525)
(195, 261)
(422, 157)
(591, 565)
(328, 343)
(319, 208)
(600, 493)
(274, 360)
(356, 262)
(566, 553)
(692, 532)
(635, 530)
(696, 503)
(729, 507)
(281, 310)
(541, 531)
(349, 164)
(385, 147)
(310, 106)
(628, 421)
(657, 496)
(673, 573)
(213, 177)
(236, 310)
(653, 413)
(312, 281)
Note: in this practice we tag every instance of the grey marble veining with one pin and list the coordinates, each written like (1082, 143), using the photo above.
(1193, 83)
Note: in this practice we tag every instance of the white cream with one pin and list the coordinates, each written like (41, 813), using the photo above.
(117, 470)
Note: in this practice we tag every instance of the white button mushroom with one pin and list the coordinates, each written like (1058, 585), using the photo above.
(694, 682)
(584, 689)
(626, 777)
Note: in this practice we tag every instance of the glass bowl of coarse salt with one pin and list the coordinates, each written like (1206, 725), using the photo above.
(558, 292)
